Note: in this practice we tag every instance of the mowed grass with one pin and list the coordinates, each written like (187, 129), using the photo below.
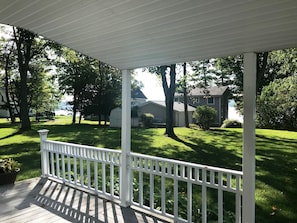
(276, 155)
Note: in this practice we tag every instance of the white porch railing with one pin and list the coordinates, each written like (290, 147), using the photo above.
(88, 167)
(182, 191)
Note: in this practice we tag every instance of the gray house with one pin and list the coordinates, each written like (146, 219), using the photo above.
(215, 97)
(158, 109)
(137, 97)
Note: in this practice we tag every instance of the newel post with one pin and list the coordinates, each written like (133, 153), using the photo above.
(44, 160)
(125, 171)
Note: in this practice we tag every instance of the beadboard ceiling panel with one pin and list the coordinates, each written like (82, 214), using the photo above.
(136, 33)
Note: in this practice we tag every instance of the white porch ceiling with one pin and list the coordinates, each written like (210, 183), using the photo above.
(137, 33)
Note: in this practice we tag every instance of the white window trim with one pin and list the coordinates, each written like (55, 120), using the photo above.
(213, 101)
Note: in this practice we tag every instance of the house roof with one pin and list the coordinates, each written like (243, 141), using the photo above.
(133, 33)
(177, 106)
(213, 91)
(137, 93)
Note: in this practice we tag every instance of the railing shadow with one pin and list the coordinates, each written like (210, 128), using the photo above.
(75, 205)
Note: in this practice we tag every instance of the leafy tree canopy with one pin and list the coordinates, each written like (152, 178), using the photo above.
(270, 66)
(94, 85)
(277, 104)
(25, 73)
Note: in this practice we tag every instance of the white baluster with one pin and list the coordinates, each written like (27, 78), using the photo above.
(204, 196)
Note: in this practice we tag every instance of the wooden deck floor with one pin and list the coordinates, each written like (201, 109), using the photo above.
(44, 200)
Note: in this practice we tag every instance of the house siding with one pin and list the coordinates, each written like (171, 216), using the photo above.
(220, 104)
(216, 105)
(159, 112)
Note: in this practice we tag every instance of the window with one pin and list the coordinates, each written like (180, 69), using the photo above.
(210, 101)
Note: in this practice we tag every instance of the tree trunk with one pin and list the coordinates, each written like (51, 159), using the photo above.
(261, 67)
(24, 108)
(74, 111)
(15, 104)
(105, 120)
(99, 119)
(80, 117)
(169, 117)
(24, 40)
(169, 98)
(185, 96)
(6, 85)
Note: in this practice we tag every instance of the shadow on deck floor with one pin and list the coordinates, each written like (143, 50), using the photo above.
(45, 200)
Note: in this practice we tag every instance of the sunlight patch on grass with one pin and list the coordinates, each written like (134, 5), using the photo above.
(5, 132)
(277, 134)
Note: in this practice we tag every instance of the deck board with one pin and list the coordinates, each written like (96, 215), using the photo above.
(44, 200)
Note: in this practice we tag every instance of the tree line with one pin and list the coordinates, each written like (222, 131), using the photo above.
(36, 72)
(276, 85)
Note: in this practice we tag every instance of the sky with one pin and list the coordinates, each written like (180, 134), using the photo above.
(152, 85)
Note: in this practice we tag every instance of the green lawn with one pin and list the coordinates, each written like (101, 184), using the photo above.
(276, 160)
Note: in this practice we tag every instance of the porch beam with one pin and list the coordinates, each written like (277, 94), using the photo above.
(125, 175)
(249, 139)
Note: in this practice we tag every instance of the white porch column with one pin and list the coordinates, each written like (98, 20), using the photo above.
(249, 139)
(125, 175)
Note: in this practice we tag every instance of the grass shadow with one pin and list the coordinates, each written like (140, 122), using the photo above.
(276, 178)
(209, 154)
(276, 163)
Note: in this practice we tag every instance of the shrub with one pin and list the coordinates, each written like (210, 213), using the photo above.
(147, 119)
(205, 116)
(277, 104)
(229, 123)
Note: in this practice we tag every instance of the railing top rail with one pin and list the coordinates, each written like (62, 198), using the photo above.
(83, 146)
(218, 169)
(160, 159)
